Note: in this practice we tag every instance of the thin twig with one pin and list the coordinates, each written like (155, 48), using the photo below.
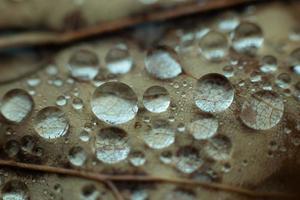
(114, 190)
(42, 38)
(143, 178)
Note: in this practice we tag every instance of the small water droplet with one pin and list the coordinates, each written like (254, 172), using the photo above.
(156, 99)
(247, 38)
(114, 103)
(12, 148)
(188, 160)
(283, 80)
(268, 64)
(214, 46)
(218, 148)
(77, 103)
(263, 110)
(77, 156)
(15, 190)
(160, 136)
(51, 123)
(118, 60)
(61, 100)
(203, 128)
(137, 158)
(112, 145)
(162, 64)
(83, 64)
(16, 105)
(213, 93)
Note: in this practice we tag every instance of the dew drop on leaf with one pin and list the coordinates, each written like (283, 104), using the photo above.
(214, 46)
(218, 148)
(77, 156)
(118, 60)
(188, 159)
(15, 190)
(203, 128)
(112, 145)
(137, 158)
(16, 105)
(156, 99)
(114, 103)
(160, 135)
(83, 64)
(263, 110)
(162, 64)
(213, 93)
(247, 38)
(268, 64)
(51, 123)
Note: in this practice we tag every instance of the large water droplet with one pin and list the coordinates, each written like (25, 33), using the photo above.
(160, 135)
(114, 103)
(51, 123)
(247, 38)
(214, 46)
(263, 110)
(218, 148)
(15, 190)
(156, 99)
(118, 60)
(111, 145)
(162, 64)
(188, 160)
(213, 93)
(16, 105)
(77, 156)
(84, 64)
(203, 128)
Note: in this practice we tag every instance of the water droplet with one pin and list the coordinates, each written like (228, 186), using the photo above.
(214, 46)
(214, 93)
(218, 148)
(188, 160)
(33, 82)
(15, 190)
(283, 80)
(295, 60)
(84, 136)
(111, 145)
(83, 64)
(268, 64)
(204, 128)
(118, 60)
(263, 110)
(137, 158)
(77, 103)
(247, 38)
(51, 123)
(89, 192)
(77, 156)
(160, 135)
(156, 99)
(61, 100)
(166, 157)
(12, 148)
(16, 105)
(229, 21)
(228, 71)
(114, 103)
(162, 64)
